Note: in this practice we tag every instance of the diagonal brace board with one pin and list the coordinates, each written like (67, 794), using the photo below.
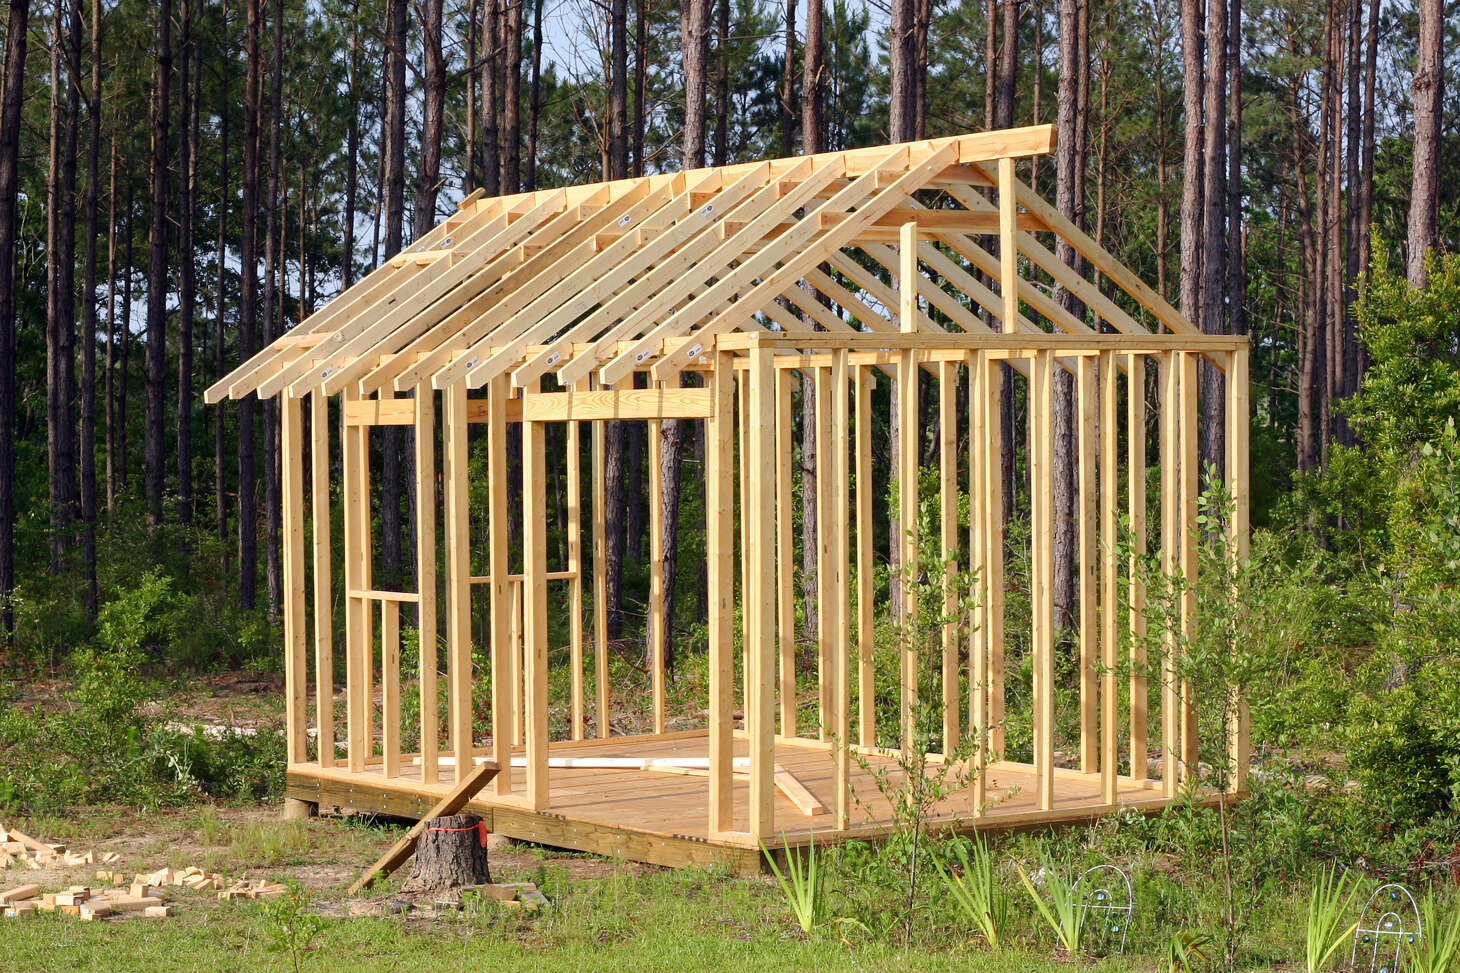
(463, 792)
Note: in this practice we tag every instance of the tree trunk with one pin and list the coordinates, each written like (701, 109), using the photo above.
(1192, 58)
(220, 366)
(618, 89)
(1216, 248)
(111, 327)
(352, 152)
(450, 854)
(392, 442)
(274, 207)
(1427, 93)
(157, 266)
(788, 84)
(722, 83)
(433, 102)
(694, 31)
(491, 102)
(641, 80)
(16, 27)
(248, 538)
(187, 274)
(511, 98)
(534, 98)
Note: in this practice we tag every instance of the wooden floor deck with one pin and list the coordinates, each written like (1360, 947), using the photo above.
(661, 817)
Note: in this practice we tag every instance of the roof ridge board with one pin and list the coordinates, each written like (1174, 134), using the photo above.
(482, 288)
(877, 202)
(518, 326)
(365, 320)
(523, 285)
(319, 321)
(652, 293)
(647, 256)
(390, 330)
(716, 264)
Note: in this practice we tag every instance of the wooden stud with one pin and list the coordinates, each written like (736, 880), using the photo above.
(1135, 431)
(785, 553)
(501, 595)
(1086, 435)
(1042, 568)
(1008, 248)
(841, 603)
(1109, 610)
(908, 377)
(516, 649)
(534, 585)
(296, 653)
(600, 578)
(458, 585)
(389, 683)
(742, 384)
(324, 636)
(357, 617)
(993, 551)
(826, 527)
(948, 521)
(1238, 540)
(1170, 545)
(1190, 487)
(760, 601)
(425, 446)
(978, 647)
(866, 552)
(720, 577)
(658, 624)
(575, 565)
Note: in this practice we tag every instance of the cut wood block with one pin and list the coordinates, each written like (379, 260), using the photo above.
(110, 857)
(45, 903)
(6, 860)
(19, 893)
(70, 910)
(30, 842)
(69, 898)
(140, 890)
(20, 910)
(533, 899)
(96, 911)
(502, 893)
(197, 881)
(132, 903)
(158, 912)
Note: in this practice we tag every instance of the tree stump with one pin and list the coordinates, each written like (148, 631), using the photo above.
(449, 855)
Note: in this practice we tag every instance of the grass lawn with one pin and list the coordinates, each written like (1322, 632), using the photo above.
(606, 915)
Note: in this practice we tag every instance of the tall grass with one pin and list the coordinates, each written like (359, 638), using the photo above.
(802, 884)
(1438, 948)
(1328, 903)
(1062, 913)
(976, 892)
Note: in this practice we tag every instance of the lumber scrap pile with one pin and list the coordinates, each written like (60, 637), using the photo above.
(85, 902)
(18, 850)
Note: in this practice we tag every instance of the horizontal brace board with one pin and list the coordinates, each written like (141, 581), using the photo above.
(627, 404)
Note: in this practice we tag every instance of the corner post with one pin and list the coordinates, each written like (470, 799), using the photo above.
(760, 598)
(720, 551)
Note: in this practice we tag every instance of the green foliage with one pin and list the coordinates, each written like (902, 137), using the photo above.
(1063, 913)
(803, 885)
(1438, 949)
(291, 926)
(975, 890)
(1186, 949)
(1330, 897)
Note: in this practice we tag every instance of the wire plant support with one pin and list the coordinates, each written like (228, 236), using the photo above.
(1106, 906)
(1390, 918)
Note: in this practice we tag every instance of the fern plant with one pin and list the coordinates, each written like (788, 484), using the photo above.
(1063, 913)
(976, 891)
(1328, 903)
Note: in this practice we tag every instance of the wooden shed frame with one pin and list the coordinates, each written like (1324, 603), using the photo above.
(586, 305)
